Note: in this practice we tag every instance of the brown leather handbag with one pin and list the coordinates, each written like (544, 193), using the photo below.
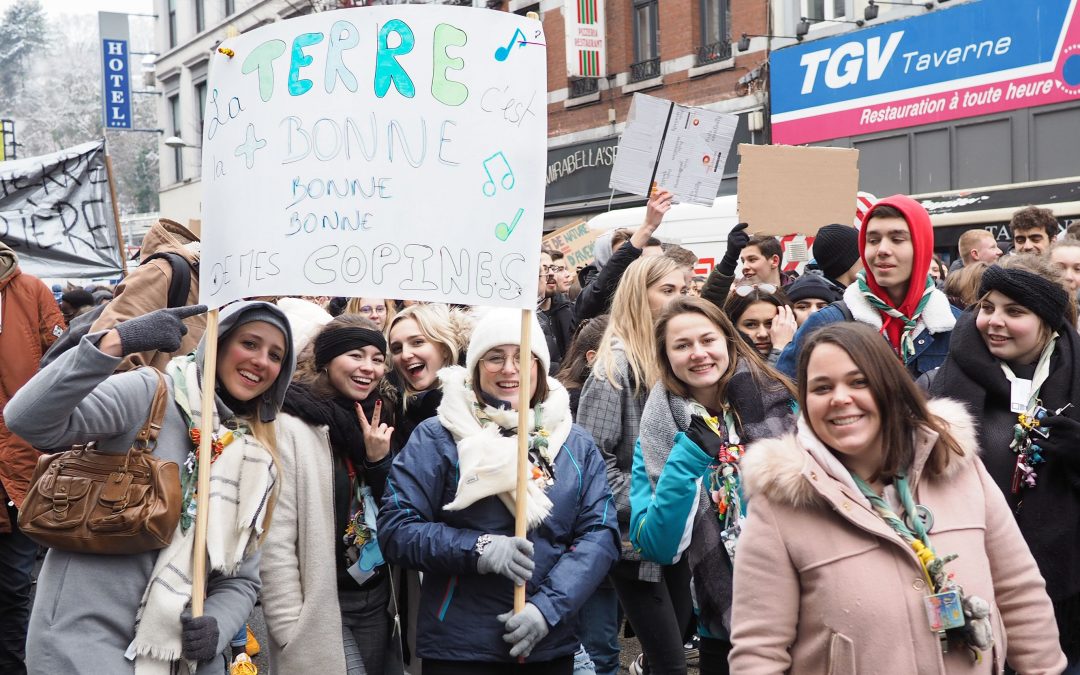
(87, 501)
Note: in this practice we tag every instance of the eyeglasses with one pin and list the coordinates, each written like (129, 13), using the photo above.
(558, 269)
(377, 309)
(496, 362)
(743, 291)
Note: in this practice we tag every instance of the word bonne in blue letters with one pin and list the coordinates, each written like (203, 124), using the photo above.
(343, 37)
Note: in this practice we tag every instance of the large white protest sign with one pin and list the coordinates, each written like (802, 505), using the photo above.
(56, 214)
(392, 151)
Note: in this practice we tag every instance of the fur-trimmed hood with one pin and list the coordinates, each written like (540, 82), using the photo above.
(781, 468)
(936, 317)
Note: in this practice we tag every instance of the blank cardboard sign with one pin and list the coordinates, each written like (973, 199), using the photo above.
(785, 189)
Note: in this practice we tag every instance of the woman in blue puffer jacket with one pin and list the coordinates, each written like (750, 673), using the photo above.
(448, 511)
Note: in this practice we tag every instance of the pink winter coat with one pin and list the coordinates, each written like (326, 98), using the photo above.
(823, 585)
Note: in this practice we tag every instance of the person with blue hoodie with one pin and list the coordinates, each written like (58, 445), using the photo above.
(448, 511)
(894, 294)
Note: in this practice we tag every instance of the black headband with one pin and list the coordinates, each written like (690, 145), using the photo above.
(1046, 299)
(332, 343)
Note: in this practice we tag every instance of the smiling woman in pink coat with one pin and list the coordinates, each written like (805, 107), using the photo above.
(834, 576)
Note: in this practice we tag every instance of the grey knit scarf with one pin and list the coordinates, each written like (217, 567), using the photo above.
(763, 411)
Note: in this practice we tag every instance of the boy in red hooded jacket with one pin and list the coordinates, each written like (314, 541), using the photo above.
(894, 293)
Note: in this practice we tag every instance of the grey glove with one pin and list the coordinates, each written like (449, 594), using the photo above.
(508, 556)
(524, 630)
(199, 639)
(161, 330)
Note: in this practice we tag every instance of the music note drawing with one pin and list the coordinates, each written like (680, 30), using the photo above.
(502, 230)
(503, 52)
(507, 180)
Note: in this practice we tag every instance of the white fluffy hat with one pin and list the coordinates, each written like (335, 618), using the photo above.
(498, 326)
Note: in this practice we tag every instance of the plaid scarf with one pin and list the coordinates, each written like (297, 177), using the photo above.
(895, 325)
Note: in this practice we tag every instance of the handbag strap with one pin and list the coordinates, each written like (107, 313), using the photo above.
(146, 439)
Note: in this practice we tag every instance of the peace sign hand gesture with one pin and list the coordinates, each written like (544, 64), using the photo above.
(376, 435)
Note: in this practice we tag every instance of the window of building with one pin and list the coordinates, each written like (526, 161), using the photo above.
(200, 16)
(200, 110)
(230, 7)
(824, 9)
(646, 41)
(715, 36)
(174, 118)
(172, 23)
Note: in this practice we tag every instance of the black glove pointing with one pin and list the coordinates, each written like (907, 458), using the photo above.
(160, 330)
(737, 240)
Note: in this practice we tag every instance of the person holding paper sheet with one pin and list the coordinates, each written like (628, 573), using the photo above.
(326, 591)
(894, 293)
(1015, 361)
(449, 512)
(130, 613)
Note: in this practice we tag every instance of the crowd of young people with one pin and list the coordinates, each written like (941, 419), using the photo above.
(818, 473)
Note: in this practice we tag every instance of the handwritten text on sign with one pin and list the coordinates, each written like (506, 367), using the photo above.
(394, 151)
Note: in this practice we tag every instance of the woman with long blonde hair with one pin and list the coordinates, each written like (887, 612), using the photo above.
(656, 600)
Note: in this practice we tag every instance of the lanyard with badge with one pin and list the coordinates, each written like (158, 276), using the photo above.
(1024, 400)
(725, 480)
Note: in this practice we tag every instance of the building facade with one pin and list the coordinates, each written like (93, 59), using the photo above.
(940, 98)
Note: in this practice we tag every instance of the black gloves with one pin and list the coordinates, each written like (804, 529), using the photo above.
(1062, 445)
(737, 240)
(703, 436)
(199, 637)
(159, 330)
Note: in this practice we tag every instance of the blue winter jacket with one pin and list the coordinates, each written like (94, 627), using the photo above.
(930, 348)
(575, 548)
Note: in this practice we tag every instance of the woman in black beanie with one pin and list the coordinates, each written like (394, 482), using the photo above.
(1015, 361)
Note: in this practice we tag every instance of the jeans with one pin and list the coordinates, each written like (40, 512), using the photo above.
(598, 628)
(583, 665)
(659, 612)
(560, 666)
(17, 556)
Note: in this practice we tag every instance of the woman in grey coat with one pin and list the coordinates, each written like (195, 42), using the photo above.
(129, 613)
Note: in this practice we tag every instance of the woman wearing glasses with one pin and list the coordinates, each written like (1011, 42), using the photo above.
(762, 313)
(378, 311)
(449, 512)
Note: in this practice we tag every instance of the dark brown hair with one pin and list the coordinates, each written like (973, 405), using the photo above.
(318, 380)
(767, 244)
(1035, 218)
(575, 368)
(736, 304)
(737, 349)
(962, 287)
(900, 403)
(886, 211)
(683, 256)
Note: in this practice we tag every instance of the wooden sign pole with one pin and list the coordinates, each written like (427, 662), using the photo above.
(206, 437)
(116, 215)
(522, 493)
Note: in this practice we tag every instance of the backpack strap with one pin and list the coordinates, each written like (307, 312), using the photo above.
(180, 282)
(844, 309)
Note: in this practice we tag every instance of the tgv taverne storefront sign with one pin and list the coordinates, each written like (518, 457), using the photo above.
(974, 59)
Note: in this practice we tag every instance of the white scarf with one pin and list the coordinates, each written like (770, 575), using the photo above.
(487, 460)
(242, 480)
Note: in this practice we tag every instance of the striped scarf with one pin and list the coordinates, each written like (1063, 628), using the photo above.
(902, 338)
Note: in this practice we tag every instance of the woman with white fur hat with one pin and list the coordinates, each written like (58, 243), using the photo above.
(449, 512)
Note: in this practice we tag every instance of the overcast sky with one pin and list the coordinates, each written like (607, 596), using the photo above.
(58, 7)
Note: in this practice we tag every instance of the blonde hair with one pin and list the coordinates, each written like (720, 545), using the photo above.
(266, 435)
(353, 307)
(446, 327)
(628, 325)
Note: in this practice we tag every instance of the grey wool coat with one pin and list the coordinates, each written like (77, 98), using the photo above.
(84, 610)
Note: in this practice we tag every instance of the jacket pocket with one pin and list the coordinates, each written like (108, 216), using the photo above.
(841, 655)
